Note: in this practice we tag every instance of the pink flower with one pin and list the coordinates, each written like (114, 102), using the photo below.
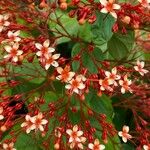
(39, 122)
(96, 145)
(1, 111)
(13, 36)
(13, 51)
(9, 146)
(125, 85)
(65, 74)
(3, 22)
(28, 124)
(139, 68)
(76, 84)
(112, 76)
(124, 134)
(146, 147)
(145, 3)
(50, 60)
(76, 138)
(44, 50)
(109, 7)
(105, 84)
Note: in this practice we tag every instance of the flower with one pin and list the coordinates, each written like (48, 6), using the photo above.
(124, 134)
(146, 147)
(50, 60)
(65, 74)
(105, 84)
(1, 111)
(9, 146)
(28, 124)
(96, 145)
(76, 84)
(38, 122)
(139, 68)
(145, 3)
(109, 7)
(112, 76)
(125, 84)
(13, 36)
(44, 50)
(76, 138)
(3, 21)
(13, 51)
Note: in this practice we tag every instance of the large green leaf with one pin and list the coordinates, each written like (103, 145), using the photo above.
(119, 46)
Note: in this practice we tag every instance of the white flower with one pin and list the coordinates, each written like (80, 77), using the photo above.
(113, 75)
(65, 74)
(109, 7)
(39, 122)
(3, 22)
(13, 36)
(125, 85)
(9, 146)
(76, 138)
(76, 84)
(1, 111)
(44, 50)
(105, 84)
(28, 124)
(139, 68)
(13, 51)
(96, 145)
(145, 3)
(124, 134)
(50, 60)
(146, 147)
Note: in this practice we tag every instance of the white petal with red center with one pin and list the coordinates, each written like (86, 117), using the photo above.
(28, 130)
(120, 133)
(116, 6)
(24, 124)
(75, 128)
(104, 2)
(125, 129)
(40, 115)
(27, 117)
(56, 56)
(91, 146)
(104, 10)
(5, 146)
(80, 145)
(1, 117)
(10, 34)
(121, 82)
(68, 86)
(46, 43)
(113, 14)
(82, 139)
(16, 46)
(107, 73)
(8, 48)
(96, 142)
(6, 23)
(72, 145)
(39, 53)
(145, 147)
(55, 64)
(124, 139)
(47, 66)
(76, 90)
(19, 53)
(123, 90)
(1, 28)
(15, 59)
(41, 128)
(81, 86)
(102, 147)
(71, 139)
(38, 46)
(69, 131)
(44, 121)
(102, 88)
(51, 50)
(71, 75)
(79, 133)
(59, 77)
(59, 70)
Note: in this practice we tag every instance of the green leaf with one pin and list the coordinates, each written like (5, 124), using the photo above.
(26, 142)
(102, 30)
(120, 45)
